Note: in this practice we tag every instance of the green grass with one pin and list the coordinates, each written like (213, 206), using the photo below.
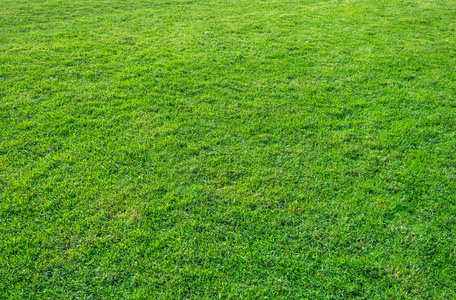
(242, 149)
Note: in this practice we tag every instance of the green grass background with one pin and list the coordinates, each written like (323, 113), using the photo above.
(237, 149)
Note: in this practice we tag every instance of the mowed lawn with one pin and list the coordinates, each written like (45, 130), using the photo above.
(238, 149)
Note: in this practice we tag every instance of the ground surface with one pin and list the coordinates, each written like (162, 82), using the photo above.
(236, 149)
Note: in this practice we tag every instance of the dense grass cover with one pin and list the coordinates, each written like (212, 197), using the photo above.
(277, 149)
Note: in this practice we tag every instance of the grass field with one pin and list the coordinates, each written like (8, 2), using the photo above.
(238, 149)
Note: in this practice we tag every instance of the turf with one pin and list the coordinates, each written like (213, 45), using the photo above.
(188, 149)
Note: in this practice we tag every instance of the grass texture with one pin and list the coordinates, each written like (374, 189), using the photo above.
(236, 149)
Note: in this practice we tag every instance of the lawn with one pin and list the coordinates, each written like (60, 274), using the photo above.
(238, 149)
